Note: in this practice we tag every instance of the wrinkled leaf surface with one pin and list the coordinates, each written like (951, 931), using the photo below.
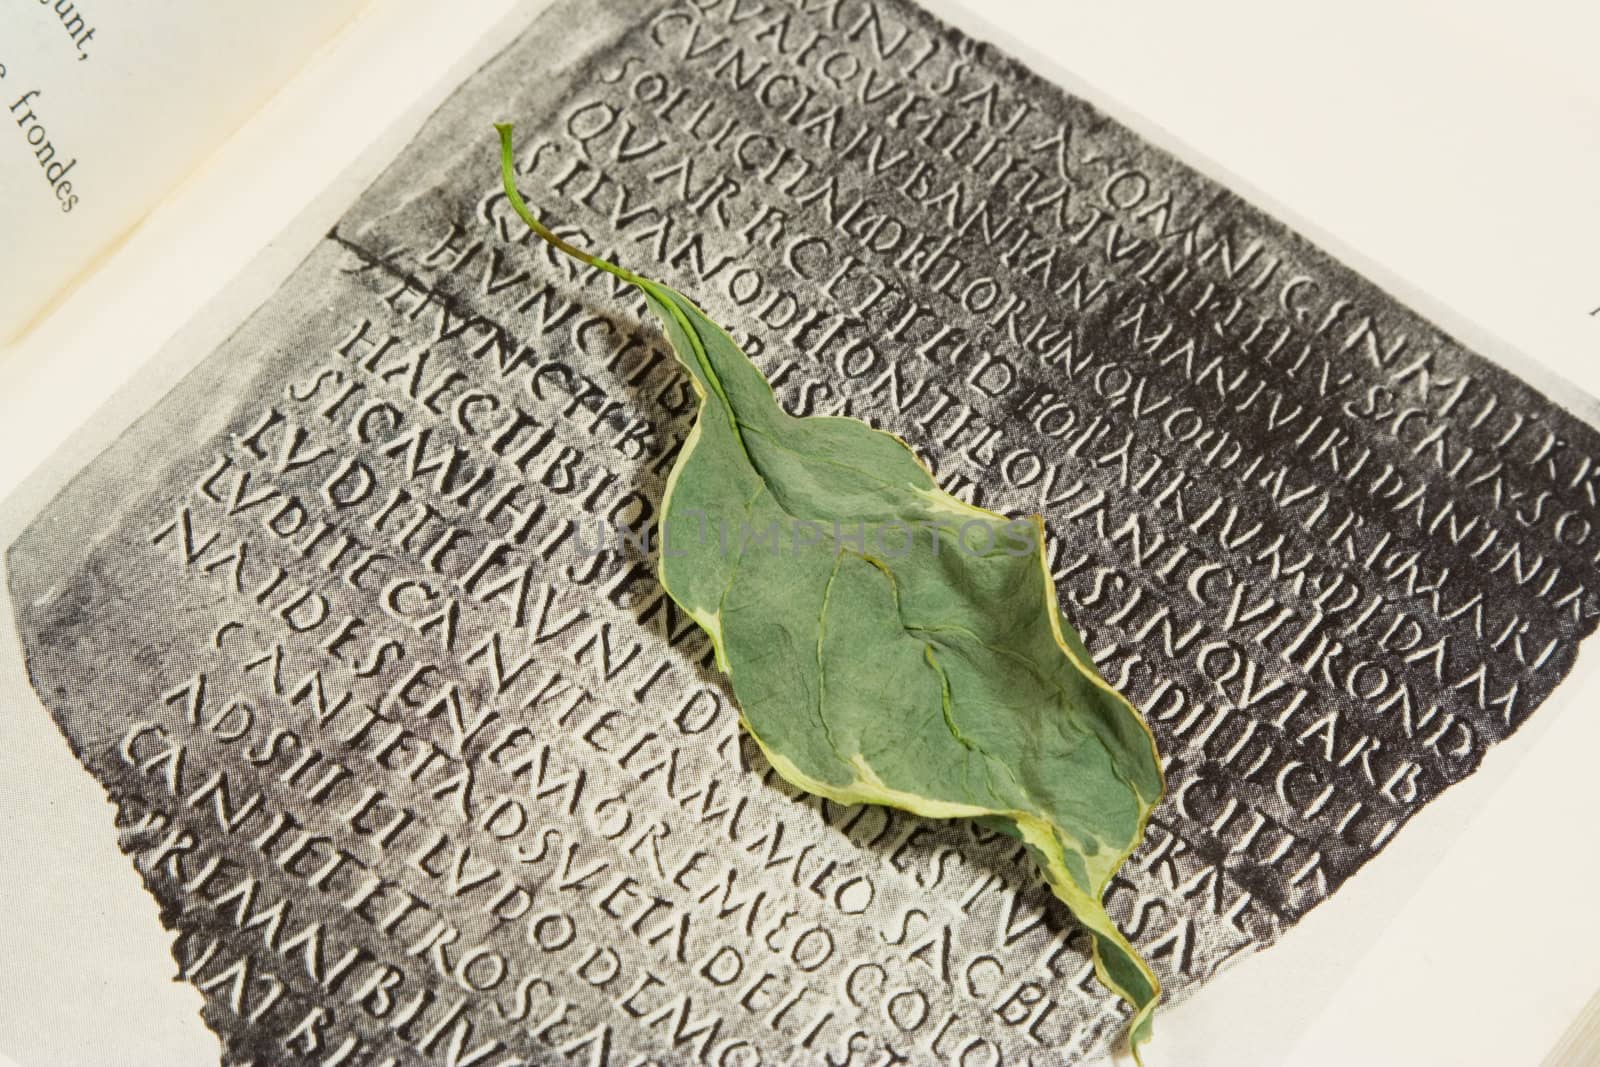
(890, 644)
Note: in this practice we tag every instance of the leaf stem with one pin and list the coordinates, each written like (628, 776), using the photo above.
(509, 175)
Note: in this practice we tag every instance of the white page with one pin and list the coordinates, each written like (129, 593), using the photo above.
(110, 104)
(1291, 129)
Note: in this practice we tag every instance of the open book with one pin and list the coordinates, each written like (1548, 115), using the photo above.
(414, 777)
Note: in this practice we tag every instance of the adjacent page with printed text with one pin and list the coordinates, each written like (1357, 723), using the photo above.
(109, 106)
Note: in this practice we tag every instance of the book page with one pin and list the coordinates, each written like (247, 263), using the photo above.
(920, 1058)
(109, 105)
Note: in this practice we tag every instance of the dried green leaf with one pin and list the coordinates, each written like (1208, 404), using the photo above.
(888, 643)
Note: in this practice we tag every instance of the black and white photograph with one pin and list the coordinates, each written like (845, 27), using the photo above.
(799, 532)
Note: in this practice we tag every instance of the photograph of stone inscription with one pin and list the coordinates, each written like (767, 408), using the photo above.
(488, 669)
